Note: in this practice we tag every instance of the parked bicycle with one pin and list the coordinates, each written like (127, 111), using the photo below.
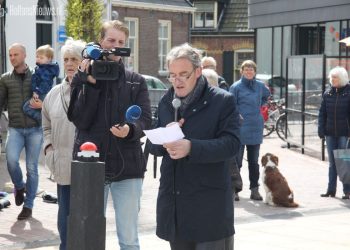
(276, 109)
(281, 126)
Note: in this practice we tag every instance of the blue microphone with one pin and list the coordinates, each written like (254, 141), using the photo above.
(133, 113)
(93, 51)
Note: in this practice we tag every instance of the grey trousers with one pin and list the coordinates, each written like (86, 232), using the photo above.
(223, 244)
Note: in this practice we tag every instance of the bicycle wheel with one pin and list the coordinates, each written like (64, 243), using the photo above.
(281, 127)
(268, 129)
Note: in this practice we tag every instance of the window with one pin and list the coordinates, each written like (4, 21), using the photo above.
(240, 57)
(43, 23)
(332, 37)
(205, 15)
(132, 62)
(164, 31)
(310, 39)
(264, 51)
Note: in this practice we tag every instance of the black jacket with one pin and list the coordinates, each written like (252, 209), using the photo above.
(94, 109)
(223, 84)
(334, 113)
(195, 193)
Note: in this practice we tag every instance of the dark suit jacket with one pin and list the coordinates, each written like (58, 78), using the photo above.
(195, 193)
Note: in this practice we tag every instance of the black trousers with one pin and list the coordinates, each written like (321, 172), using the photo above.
(223, 244)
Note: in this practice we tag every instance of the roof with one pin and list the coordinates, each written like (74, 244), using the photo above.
(179, 3)
(182, 6)
(235, 17)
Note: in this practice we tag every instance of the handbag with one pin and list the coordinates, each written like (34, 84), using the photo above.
(264, 110)
(342, 163)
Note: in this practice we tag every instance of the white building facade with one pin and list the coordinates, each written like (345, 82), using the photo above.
(34, 23)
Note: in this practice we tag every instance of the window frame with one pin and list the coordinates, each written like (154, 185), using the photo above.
(162, 69)
(42, 22)
(215, 16)
(133, 54)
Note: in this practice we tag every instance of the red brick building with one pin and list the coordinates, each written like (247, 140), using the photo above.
(155, 27)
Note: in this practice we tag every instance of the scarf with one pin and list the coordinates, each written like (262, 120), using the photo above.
(249, 83)
(192, 96)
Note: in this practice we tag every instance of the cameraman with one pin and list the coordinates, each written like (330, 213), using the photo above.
(97, 109)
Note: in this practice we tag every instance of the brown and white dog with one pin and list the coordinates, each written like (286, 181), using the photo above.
(276, 186)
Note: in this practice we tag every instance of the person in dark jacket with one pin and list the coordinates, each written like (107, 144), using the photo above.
(194, 204)
(97, 109)
(333, 123)
(23, 132)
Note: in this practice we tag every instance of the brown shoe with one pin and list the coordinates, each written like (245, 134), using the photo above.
(19, 196)
(26, 213)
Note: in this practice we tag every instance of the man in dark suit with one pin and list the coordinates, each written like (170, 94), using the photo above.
(194, 206)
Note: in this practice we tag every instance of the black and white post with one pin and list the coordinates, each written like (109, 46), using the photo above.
(86, 220)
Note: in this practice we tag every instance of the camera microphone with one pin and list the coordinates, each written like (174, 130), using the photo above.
(176, 104)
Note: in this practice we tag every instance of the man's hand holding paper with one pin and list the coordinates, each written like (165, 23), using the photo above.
(165, 135)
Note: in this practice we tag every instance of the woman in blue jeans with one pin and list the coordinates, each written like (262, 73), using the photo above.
(333, 123)
(59, 133)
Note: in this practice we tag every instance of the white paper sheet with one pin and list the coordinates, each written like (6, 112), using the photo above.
(163, 135)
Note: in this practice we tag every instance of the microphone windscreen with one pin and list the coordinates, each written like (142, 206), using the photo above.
(176, 103)
(133, 113)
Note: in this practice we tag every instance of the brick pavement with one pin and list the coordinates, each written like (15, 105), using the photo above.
(320, 223)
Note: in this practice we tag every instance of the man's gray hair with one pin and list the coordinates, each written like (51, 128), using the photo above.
(341, 73)
(73, 48)
(185, 51)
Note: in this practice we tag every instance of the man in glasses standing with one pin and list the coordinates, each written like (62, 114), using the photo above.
(194, 206)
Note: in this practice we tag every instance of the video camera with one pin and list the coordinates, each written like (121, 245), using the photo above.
(102, 68)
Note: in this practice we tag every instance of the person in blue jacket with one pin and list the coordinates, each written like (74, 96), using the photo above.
(250, 94)
(333, 124)
(194, 204)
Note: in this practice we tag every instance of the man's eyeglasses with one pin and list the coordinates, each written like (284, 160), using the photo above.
(172, 79)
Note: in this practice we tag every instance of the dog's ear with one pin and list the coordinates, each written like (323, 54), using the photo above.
(264, 160)
(275, 159)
